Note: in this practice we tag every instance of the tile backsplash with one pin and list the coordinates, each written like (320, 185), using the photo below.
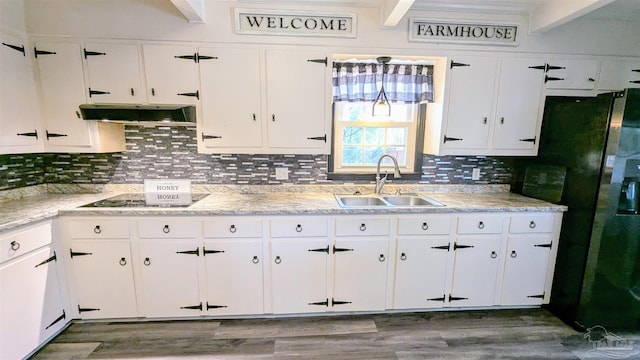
(171, 152)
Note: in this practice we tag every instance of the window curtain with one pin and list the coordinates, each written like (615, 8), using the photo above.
(402, 82)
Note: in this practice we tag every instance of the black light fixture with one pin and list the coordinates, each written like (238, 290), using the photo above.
(381, 106)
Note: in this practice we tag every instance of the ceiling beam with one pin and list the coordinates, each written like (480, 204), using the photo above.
(193, 10)
(555, 13)
(393, 11)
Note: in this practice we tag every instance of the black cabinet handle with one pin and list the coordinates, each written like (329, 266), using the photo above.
(481, 225)
(122, 262)
(532, 224)
(15, 245)
(495, 255)
(30, 134)
(425, 226)
(97, 229)
(147, 262)
(363, 227)
(232, 229)
(277, 260)
(403, 256)
(298, 228)
(382, 258)
(514, 254)
(166, 229)
(255, 260)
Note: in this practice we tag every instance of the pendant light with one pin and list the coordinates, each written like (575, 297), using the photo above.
(381, 106)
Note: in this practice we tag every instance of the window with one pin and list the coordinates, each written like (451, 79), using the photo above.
(361, 138)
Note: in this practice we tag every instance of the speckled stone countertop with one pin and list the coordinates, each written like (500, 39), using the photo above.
(262, 200)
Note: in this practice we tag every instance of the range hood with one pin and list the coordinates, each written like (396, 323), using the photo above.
(140, 114)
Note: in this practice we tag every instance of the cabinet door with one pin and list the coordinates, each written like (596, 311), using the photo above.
(234, 277)
(526, 270)
(18, 125)
(421, 267)
(172, 74)
(578, 74)
(518, 104)
(619, 74)
(296, 100)
(471, 101)
(475, 269)
(360, 274)
(231, 118)
(114, 74)
(170, 282)
(62, 90)
(31, 309)
(104, 285)
(299, 276)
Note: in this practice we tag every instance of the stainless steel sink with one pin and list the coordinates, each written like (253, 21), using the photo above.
(411, 200)
(389, 201)
(360, 201)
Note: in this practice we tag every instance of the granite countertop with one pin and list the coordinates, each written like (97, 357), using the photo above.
(282, 201)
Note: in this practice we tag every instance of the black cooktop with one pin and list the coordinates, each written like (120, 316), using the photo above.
(138, 200)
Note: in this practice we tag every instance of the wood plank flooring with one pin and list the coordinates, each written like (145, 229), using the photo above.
(494, 334)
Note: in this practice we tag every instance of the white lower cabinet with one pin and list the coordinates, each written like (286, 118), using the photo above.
(103, 285)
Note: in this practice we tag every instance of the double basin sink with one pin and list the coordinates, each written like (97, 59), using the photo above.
(388, 201)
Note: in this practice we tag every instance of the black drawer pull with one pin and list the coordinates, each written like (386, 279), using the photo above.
(232, 229)
(514, 254)
(15, 245)
(147, 261)
(481, 225)
(298, 228)
(166, 229)
(123, 261)
(363, 227)
(255, 260)
(532, 224)
(403, 256)
(97, 229)
(278, 260)
(495, 255)
(425, 226)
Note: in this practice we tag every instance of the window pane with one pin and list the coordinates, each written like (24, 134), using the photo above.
(399, 152)
(352, 135)
(352, 155)
(396, 136)
(374, 136)
(372, 154)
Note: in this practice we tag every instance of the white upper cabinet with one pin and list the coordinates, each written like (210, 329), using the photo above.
(19, 129)
(619, 74)
(493, 106)
(265, 101)
(113, 73)
(231, 99)
(62, 90)
(172, 74)
(569, 73)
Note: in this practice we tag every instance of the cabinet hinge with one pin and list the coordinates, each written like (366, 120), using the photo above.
(205, 251)
(81, 309)
(541, 296)
(442, 247)
(76, 253)
(37, 52)
(455, 298)
(53, 258)
(335, 302)
(443, 298)
(457, 64)
(321, 138)
(324, 250)
(92, 53)
(635, 70)
(205, 137)
(57, 320)
(195, 252)
(16, 48)
(550, 78)
(31, 134)
(193, 57)
(98, 92)
(321, 303)
(446, 138)
(337, 249)
(193, 307)
(533, 140)
(53, 135)
(456, 246)
(215, 306)
(205, 57)
(544, 245)
(635, 81)
(319, 61)
(191, 94)
(552, 67)
(539, 67)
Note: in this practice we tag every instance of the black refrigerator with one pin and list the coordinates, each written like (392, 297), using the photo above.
(589, 160)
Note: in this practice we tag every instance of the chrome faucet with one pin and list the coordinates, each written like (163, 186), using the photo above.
(381, 180)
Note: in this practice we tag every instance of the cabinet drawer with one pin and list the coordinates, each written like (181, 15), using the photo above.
(362, 227)
(424, 225)
(99, 229)
(481, 224)
(299, 227)
(232, 228)
(22, 241)
(540, 223)
(167, 228)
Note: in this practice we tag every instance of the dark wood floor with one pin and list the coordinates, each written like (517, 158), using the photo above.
(496, 334)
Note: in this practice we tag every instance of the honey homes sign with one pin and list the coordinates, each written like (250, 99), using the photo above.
(462, 32)
(295, 23)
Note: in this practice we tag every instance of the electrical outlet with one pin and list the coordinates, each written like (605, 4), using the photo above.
(475, 174)
(282, 173)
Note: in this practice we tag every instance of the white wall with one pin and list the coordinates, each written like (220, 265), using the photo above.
(160, 20)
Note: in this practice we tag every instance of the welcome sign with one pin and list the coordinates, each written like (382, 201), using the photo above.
(467, 32)
(262, 22)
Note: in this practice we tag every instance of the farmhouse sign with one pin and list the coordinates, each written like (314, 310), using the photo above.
(467, 32)
(295, 23)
